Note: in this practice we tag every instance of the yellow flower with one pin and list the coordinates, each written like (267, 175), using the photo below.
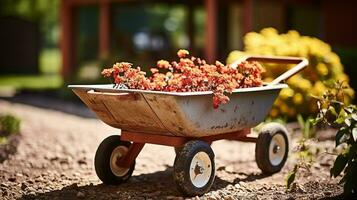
(235, 55)
(298, 99)
(304, 84)
(350, 92)
(318, 89)
(325, 66)
(268, 79)
(269, 32)
(284, 108)
(274, 112)
(286, 93)
(322, 69)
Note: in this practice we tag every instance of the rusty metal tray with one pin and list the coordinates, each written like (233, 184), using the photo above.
(187, 114)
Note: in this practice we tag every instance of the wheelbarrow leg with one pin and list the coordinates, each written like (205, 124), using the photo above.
(131, 155)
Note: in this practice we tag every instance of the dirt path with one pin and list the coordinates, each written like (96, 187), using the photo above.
(55, 161)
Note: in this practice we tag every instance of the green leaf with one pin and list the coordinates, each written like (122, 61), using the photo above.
(311, 121)
(3, 140)
(332, 110)
(315, 97)
(350, 183)
(354, 134)
(341, 117)
(339, 165)
(341, 136)
(290, 179)
(318, 120)
(307, 129)
(301, 121)
(349, 109)
(343, 179)
(348, 122)
(354, 116)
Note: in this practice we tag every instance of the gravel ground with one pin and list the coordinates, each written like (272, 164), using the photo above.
(54, 160)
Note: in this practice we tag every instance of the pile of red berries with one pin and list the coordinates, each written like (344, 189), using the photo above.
(190, 74)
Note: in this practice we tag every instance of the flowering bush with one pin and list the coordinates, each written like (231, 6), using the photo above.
(189, 74)
(324, 68)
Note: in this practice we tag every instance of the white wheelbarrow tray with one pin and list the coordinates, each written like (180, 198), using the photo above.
(187, 114)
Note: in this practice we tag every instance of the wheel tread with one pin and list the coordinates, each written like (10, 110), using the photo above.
(262, 147)
(102, 161)
(182, 165)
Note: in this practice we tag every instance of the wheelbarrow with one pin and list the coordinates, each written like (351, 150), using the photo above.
(188, 122)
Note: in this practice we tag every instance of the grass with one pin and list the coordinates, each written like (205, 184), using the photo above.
(50, 61)
(3, 140)
(9, 125)
(36, 82)
(49, 78)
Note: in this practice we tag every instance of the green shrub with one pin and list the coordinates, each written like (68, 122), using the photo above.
(334, 112)
(324, 68)
(9, 125)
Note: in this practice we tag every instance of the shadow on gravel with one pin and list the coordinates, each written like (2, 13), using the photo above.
(339, 197)
(75, 108)
(10, 148)
(220, 183)
(251, 177)
(157, 185)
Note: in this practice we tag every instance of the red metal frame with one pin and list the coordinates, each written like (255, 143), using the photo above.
(139, 140)
(131, 155)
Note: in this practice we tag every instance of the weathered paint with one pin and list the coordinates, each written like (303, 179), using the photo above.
(189, 114)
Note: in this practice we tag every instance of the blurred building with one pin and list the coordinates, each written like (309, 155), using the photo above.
(142, 31)
(20, 46)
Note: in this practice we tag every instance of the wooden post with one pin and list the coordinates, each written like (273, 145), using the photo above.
(247, 16)
(191, 28)
(210, 39)
(104, 29)
(67, 37)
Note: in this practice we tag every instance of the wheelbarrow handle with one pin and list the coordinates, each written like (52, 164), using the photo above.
(92, 92)
(125, 96)
(301, 63)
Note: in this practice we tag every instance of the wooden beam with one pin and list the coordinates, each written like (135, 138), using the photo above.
(210, 39)
(247, 16)
(104, 29)
(191, 27)
(67, 38)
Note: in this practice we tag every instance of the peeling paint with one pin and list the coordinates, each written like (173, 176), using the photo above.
(235, 108)
(220, 127)
(190, 116)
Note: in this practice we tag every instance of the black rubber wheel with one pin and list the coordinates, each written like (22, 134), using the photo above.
(177, 150)
(109, 151)
(194, 168)
(272, 148)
